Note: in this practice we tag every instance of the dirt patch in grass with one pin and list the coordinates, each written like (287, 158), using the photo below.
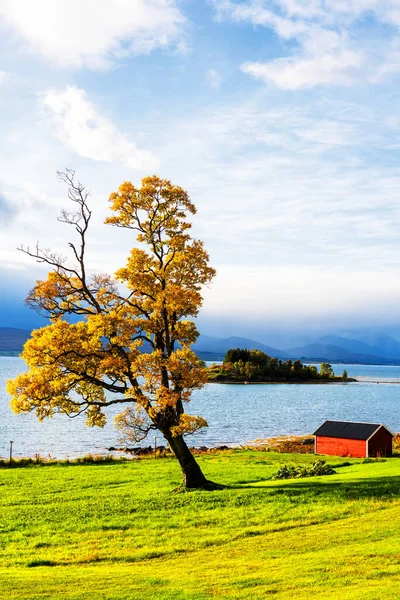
(302, 444)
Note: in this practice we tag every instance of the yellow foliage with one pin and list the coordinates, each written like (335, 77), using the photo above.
(188, 424)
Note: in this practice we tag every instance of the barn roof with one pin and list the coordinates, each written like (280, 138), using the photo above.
(347, 429)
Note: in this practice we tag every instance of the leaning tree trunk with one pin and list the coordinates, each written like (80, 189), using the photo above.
(193, 476)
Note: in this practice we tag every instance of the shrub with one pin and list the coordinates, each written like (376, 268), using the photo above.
(318, 467)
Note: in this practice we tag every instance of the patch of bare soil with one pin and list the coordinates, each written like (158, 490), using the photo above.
(300, 444)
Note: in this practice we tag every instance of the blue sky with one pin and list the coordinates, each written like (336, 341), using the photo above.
(281, 119)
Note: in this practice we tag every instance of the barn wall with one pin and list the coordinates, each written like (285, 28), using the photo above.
(340, 446)
(380, 444)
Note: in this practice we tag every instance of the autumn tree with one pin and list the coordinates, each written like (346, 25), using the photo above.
(130, 342)
(326, 370)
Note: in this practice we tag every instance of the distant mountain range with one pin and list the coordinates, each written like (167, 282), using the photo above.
(332, 353)
(337, 348)
(371, 348)
(220, 346)
(382, 349)
(12, 340)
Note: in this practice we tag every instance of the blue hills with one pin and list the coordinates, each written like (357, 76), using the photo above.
(12, 339)
(369, 348)
(219, 346)
(383, 349)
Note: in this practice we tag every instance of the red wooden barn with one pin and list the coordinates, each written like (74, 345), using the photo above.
(343, 438)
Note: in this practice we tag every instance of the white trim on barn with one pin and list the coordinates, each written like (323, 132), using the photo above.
(376, 431)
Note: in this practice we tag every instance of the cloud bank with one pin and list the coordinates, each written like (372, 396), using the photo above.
(92, 33)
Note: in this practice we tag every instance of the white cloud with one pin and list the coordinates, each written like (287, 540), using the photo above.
(256, 13)
(92, 33)
(333, 47)
(91, 135)
(304, 13)
(294, 73)
(214, 78)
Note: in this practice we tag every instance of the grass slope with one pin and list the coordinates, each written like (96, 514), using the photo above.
(118, 531)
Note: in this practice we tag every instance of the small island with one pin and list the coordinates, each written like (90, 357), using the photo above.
(253, 366)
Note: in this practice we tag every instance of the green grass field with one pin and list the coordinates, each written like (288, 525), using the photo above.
(118, 531)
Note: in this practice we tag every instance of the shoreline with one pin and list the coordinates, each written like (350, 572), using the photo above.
(114, 454)
(295, 382)
(291, 443)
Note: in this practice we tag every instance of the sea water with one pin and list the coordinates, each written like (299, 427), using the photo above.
(236, 413)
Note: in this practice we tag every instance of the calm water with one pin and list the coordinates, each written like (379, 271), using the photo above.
(235, 413)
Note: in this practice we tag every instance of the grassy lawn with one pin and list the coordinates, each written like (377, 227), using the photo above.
(118, 531)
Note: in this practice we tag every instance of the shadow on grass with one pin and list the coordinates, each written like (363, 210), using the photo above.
(366, 488)
(372, 487)
(351, 489)
(39, 562)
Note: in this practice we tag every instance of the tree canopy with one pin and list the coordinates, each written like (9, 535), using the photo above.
(326, 370)
(89, 365)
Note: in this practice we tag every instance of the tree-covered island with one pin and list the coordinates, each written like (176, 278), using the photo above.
(254, 366)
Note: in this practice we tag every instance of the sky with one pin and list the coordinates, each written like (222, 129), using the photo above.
(281, 118)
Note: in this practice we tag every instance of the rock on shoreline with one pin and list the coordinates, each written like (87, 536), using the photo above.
(303, 444)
